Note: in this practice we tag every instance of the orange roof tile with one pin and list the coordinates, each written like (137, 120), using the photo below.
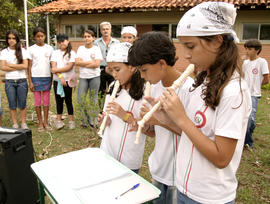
(97, 6)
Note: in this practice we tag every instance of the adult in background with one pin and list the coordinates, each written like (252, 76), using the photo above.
(104, 43)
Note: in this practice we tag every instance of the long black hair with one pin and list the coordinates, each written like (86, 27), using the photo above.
(136, 85)
(18, 48)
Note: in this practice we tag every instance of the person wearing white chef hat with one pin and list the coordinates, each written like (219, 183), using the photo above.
(128, 34)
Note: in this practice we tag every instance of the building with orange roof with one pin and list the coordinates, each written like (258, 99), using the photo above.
(253, 18)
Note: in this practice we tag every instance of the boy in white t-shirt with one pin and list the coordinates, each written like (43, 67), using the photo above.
(156, 51)
(88, 59)
(256, 74)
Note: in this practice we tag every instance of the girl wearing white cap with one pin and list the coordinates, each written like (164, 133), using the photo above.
(117, 140)
(128, 34)
(211, 116)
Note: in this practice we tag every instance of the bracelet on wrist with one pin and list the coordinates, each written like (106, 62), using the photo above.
(128, 114)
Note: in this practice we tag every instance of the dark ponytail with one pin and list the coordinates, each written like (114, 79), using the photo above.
(136, 90)
(68, 50)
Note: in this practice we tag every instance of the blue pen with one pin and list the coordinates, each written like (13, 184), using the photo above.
(131, 189)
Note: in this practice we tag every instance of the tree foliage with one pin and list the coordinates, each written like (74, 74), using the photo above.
(12, 17)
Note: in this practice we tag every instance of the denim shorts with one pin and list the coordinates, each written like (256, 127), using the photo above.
(16, 91)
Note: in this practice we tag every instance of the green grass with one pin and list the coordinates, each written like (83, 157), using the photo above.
(253, 173)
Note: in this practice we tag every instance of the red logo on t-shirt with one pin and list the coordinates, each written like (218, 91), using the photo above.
(93, 56)
(200, 119)
(255, 71)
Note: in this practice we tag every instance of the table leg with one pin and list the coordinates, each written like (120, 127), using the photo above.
(42, 193)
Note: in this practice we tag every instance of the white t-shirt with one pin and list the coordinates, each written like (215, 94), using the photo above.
(254, 71)
(40, 56)
(88, 54)
(196, 176)
(162, 160)
(62, 61)
(9, 56)
(117, 141)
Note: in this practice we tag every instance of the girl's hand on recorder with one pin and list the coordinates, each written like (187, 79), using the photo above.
(115, 109)
(160, 115)
(101, 117)
(172, 105)
(145, 109)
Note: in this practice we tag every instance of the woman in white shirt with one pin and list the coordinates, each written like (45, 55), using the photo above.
(14, 63)
(88, 59)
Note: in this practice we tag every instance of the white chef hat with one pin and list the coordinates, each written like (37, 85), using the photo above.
(118, 52)
(129, 29)
(208, 18)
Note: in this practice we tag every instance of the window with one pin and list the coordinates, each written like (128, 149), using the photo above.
(265, 32)
(116, 31)
(80, 31)
(173, 33)
(256, 31)
(170, 29)
(69, 30)
(77, 31)
(93, 28)
(161, 27)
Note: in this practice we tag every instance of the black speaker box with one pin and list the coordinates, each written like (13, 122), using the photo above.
(18, 184)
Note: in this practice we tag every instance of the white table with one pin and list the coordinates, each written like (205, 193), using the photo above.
(90, 176)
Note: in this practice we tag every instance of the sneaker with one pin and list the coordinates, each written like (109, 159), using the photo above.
(24, 126)
(59, 125)
(71, 125)
(84, 125)
(249, 148)
(15, 126)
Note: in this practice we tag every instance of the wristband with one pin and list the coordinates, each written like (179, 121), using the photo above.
(60, 76)
(128, 114)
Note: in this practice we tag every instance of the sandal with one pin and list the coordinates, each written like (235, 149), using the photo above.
(40, 129)
(48, 128)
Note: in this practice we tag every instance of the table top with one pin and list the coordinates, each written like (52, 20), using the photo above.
(91, 176)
